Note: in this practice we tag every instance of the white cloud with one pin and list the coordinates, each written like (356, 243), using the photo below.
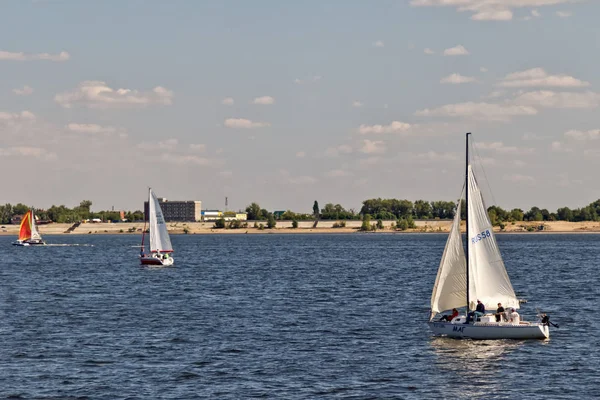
(550, 99)
(25, 91)
(227, 101)
(517, 178)
(91, 128)
(435, 156)
(337, 173)
(301, 180)
(559, 147)
(6, 55)
(25, 151)
(178, 159)
(564, 14)
(535, 13)
(226, 174)
(537, 77)
(336, 151)
(456, 79)
(314, 78)
(300, 154)
(394, 127)
(480, 111)
(499, 147)
(264, 100)
(372, 147)
(169, 144)
(357, 104)
(488, 10)
(198, 147)
(483, 69)
(96, 94)
(428, 51)
(378, 43)
(456, 51)
(16, 117)
(242, 123)
(583, 135)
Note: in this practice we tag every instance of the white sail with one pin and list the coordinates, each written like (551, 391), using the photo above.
(450, 286)
(488, 280)
(35, 234)
(159, 236)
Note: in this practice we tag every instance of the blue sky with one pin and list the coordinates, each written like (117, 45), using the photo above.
(284, 103)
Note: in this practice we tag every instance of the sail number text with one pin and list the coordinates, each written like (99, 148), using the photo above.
(481, 236)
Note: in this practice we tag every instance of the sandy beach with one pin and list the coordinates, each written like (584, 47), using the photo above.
(285, 227)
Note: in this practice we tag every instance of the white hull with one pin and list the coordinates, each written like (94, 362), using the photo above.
(490, 331)
(153, 260)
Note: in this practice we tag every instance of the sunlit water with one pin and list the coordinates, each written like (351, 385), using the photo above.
(284, 317)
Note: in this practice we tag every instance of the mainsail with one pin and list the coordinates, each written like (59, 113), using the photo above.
(488, 280)
(450, 286)
(25, 228)
(159, 236)
(35, 234)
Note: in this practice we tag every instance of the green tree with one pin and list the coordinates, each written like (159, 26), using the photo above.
(294, 224)
(254, 212)
(402, 224)
(422, 209)
(316, 209)
(366, 223)
(516, 214)
(271, 221)
(379, 224)
(219, 224)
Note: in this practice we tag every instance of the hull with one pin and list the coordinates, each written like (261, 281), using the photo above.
(490, 331)
(150, 260)
(29, 243)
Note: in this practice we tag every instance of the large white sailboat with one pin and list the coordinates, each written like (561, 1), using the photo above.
(477, 275)
(160, 243)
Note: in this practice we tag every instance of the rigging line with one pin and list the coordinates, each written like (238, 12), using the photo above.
(487, 181)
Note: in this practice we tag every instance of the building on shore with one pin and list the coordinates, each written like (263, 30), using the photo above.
(178, 211)
(213, 215)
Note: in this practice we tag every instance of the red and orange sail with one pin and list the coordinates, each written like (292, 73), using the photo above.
(25, 229)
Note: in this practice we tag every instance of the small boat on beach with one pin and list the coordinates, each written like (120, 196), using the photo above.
(160, 243)
(476, 272)
(28, 232)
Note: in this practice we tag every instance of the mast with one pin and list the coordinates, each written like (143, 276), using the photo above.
(142, 249)
(467, 212)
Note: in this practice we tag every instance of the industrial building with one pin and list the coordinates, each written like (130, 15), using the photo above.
(178, 211)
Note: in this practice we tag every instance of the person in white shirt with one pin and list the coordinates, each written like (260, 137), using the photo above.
(515, 318)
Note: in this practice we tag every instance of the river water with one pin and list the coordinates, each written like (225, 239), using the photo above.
(284, 317)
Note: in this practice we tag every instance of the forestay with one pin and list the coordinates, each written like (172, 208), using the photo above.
(450, 286)
(488, 280)
(159, 236)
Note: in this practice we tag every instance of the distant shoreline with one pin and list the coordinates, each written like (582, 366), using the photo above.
(304, 227)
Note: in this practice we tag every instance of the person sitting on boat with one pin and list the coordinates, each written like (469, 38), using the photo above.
(515, 318)
(450, 317)
(499, 312)
(479, 312)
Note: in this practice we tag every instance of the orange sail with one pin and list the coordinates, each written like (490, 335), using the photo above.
(25, 229)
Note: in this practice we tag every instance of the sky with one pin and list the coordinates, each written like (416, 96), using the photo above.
(287, 102)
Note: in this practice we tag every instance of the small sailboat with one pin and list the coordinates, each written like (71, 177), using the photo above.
(160, 243)
(476, 272)
(28, 232)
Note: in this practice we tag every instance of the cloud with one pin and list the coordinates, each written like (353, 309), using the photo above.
(479, 111)
(583, 135)
(314, 78)
(169, 144)
(499, 147)
(394, 127)
(264, 100)
(564, 14)
(336, 151)
(9, 56)
(372, 147)
(537, 77)
(456, 51)
(25, 91)
(457, 79)
(91, 128)
(550, 99)
(488, 10)
(517, 178)
(16, 117)
(483, 69)
(337, 173)
(559, 147)
(435, 156)
(378, 43)
(428, 51)
(357, 104)
(242, 123)
(24, 151)
(300, 154)
(96, 94)
(178, 159)
(200, 148)
(227, 101)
